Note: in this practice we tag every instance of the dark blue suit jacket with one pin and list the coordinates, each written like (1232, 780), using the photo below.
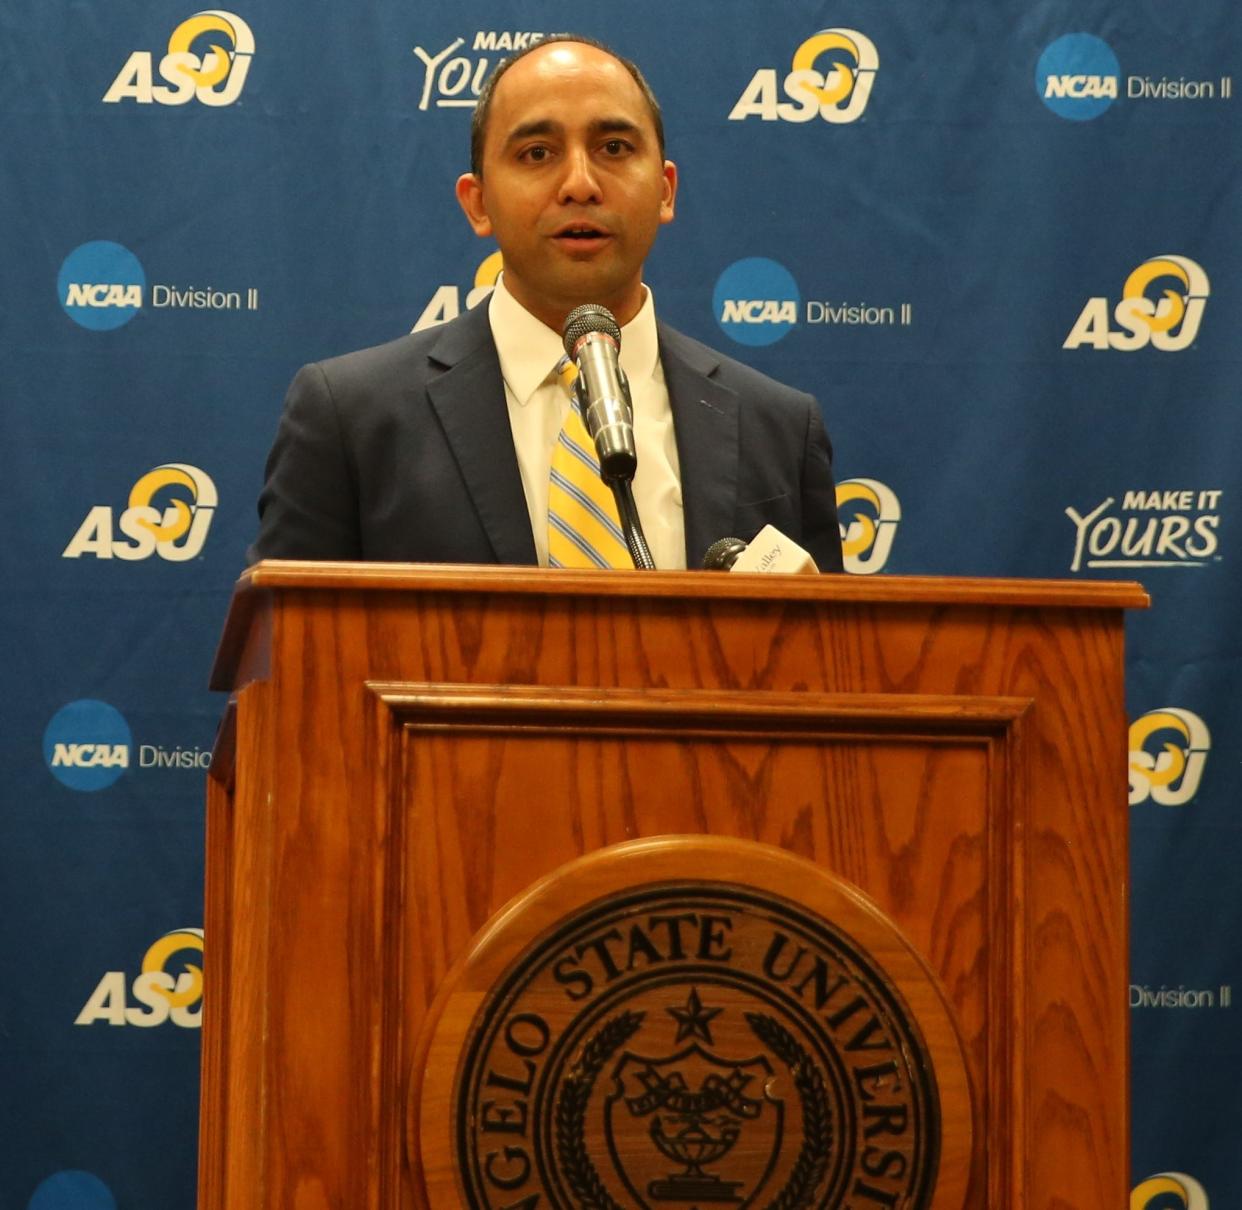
(403, 453)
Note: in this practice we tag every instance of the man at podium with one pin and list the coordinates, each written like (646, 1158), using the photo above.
(459, 444)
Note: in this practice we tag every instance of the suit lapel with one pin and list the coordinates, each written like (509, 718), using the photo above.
(469, 398)
(705, 421)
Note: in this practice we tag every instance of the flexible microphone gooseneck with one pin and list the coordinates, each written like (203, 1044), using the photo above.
(592, 340)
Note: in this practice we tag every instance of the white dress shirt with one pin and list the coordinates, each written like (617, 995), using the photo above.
(529, 351)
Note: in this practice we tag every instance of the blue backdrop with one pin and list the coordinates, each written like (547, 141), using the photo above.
(999, 241)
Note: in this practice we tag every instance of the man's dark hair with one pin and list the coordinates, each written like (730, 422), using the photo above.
(478, 124)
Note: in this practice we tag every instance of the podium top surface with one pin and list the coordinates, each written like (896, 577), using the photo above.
(275, 577)
(463, 578)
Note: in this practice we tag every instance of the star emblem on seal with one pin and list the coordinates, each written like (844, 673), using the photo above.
(693, 1021)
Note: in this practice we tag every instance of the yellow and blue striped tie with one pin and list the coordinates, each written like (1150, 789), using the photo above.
(584, 529)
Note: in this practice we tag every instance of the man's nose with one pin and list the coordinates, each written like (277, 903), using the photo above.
(580, 183)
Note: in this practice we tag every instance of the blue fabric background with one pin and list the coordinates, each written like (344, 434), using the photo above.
(981, 212)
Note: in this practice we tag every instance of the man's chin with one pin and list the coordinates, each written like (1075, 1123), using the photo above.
(579, 289)
(576, 285)
(585, 249)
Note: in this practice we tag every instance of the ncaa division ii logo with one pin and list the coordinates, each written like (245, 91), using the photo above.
(213, 74)
(756, 301)
(838, 93)
(1169, 323)
(1168, 750)
(102, 285)
(1078, 77)
(87, 745)
(175, 532)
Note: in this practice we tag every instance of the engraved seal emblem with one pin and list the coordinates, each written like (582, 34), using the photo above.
(701, 1031)
(689, 1044)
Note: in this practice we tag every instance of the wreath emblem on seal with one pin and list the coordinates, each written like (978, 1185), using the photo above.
(694, 1128)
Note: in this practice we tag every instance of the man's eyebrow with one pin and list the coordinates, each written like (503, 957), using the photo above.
(615, 126)
(545, 126)
(528, 129)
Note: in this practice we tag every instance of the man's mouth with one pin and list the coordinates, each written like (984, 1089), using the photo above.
(583, 234)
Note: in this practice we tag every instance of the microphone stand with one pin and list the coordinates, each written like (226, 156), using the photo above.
(627, 510)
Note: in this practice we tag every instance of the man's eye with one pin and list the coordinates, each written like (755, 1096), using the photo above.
(535, 155)
(616, 147)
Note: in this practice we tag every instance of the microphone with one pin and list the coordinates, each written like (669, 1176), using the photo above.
(722, 554)
(769, 551)
(593, 342)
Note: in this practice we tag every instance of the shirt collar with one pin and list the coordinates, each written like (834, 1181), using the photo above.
(529, 350)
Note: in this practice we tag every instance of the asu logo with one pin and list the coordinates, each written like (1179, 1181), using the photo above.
(1169, 1191)
(445, 303)
(1169, 323)
(869, 513)
(839, 93)
(175, 530)
(157, 995)
(1168, 750)
(213, 75)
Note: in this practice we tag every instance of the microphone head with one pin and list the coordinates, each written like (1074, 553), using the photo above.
(722, 554)
(590, 317)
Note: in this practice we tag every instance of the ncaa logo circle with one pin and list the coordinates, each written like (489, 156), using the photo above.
(1077, 76)
(100, 285)
(756, 301)
(87, 745)
(72, 1190)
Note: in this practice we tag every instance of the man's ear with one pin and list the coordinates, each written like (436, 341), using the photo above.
(668, 203)
(470, 199)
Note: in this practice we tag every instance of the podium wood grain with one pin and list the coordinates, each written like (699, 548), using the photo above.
(408, 749)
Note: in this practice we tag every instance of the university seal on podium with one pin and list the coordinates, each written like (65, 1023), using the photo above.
(687, 1044)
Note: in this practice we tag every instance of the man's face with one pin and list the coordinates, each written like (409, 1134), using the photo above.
(573, 187)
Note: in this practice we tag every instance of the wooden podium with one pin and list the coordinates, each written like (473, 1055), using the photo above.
(407, 750)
